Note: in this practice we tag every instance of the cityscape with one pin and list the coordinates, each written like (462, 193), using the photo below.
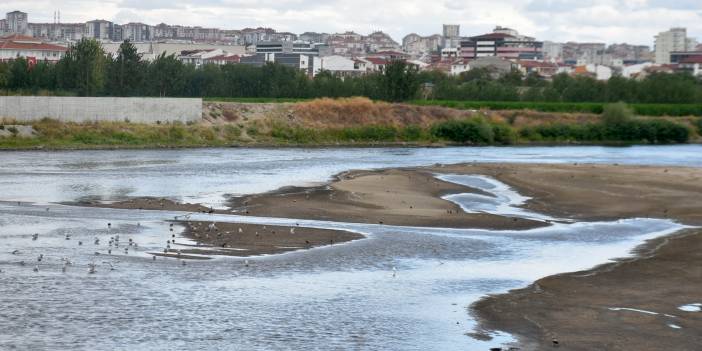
(351, 53)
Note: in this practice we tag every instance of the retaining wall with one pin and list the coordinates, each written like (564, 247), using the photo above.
(86, 109)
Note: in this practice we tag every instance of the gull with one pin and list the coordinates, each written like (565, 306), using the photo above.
(97, 241)
(91, 268)
(292, 230)
(36, 268)
(394, 272)
(240, 231)
(211, 227)
(246, 263)
(16, 252)
(68, 236)
(35, 236)
(41, 256)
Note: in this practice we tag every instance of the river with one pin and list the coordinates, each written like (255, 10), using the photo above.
(341, 297)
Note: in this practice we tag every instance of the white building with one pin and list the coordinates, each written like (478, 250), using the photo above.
(460, 66)
(34, 50)
(16, 22)
(136, 32)
(673, 40)
(343, 66)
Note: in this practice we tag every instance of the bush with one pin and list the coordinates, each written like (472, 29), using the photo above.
(475, 130)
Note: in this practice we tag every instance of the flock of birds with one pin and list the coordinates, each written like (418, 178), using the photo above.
(113, 243)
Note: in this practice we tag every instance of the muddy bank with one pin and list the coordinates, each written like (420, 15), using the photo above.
(403, 197)
(583, 310)
(243, 240)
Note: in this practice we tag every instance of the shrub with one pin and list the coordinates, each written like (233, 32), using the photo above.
(475, 130)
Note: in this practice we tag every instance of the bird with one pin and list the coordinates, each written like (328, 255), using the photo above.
(555, 342)
(394, 272)
(41, 256)
(246, 263)
(292, 230)
(16, 252)
(64, 268)
(183, 262)
(36, 268)
(153, 257)
(97, 241)
(35, 236)
(91, 268)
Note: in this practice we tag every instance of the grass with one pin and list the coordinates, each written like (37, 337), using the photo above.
(567, 107)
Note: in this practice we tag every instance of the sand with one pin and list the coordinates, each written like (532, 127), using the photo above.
(245, 240)
(404, 197)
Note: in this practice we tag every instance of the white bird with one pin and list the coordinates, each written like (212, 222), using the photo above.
(41, 256)
(240, 231)
(246, 263)
(394, 272)
(211, 227)
(292, 230)
(35, 236)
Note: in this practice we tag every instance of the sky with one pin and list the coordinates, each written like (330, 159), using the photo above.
(609, 21)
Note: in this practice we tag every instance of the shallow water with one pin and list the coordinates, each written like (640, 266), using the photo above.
(338, 297)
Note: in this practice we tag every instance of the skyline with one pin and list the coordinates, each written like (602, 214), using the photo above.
(634, 22)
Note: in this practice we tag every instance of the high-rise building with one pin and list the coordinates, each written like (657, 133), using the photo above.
(16, 22)
(101, 30)
(670, 41)
(452, 30)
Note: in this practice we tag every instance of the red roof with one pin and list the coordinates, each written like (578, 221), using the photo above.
(491, 36)
(19, 37)
(23, 42)
(232, 58)
(376, 60)
(692, 59)
(536, 64)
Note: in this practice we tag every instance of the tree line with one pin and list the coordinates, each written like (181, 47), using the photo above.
(86, 70)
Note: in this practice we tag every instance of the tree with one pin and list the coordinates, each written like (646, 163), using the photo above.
(83, 68)
(126, 72)
(19, 74)
(167, 75)
(399, 81)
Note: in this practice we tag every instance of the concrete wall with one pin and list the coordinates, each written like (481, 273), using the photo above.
(84, 109)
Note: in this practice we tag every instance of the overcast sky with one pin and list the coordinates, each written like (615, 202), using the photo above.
(632, 21)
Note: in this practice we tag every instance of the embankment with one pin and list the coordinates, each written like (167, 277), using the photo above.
(353, 121)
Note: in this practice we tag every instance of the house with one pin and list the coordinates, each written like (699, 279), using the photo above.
(16, 45)
(691, 64)
(343, 66)
(376, 64)
(460, 66)
(541, 68)
(599, 72)
(198, 57)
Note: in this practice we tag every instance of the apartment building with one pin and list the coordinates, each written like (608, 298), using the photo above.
(502, 42)
(672, 40)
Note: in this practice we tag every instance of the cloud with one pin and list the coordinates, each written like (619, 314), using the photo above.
(634, 21)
